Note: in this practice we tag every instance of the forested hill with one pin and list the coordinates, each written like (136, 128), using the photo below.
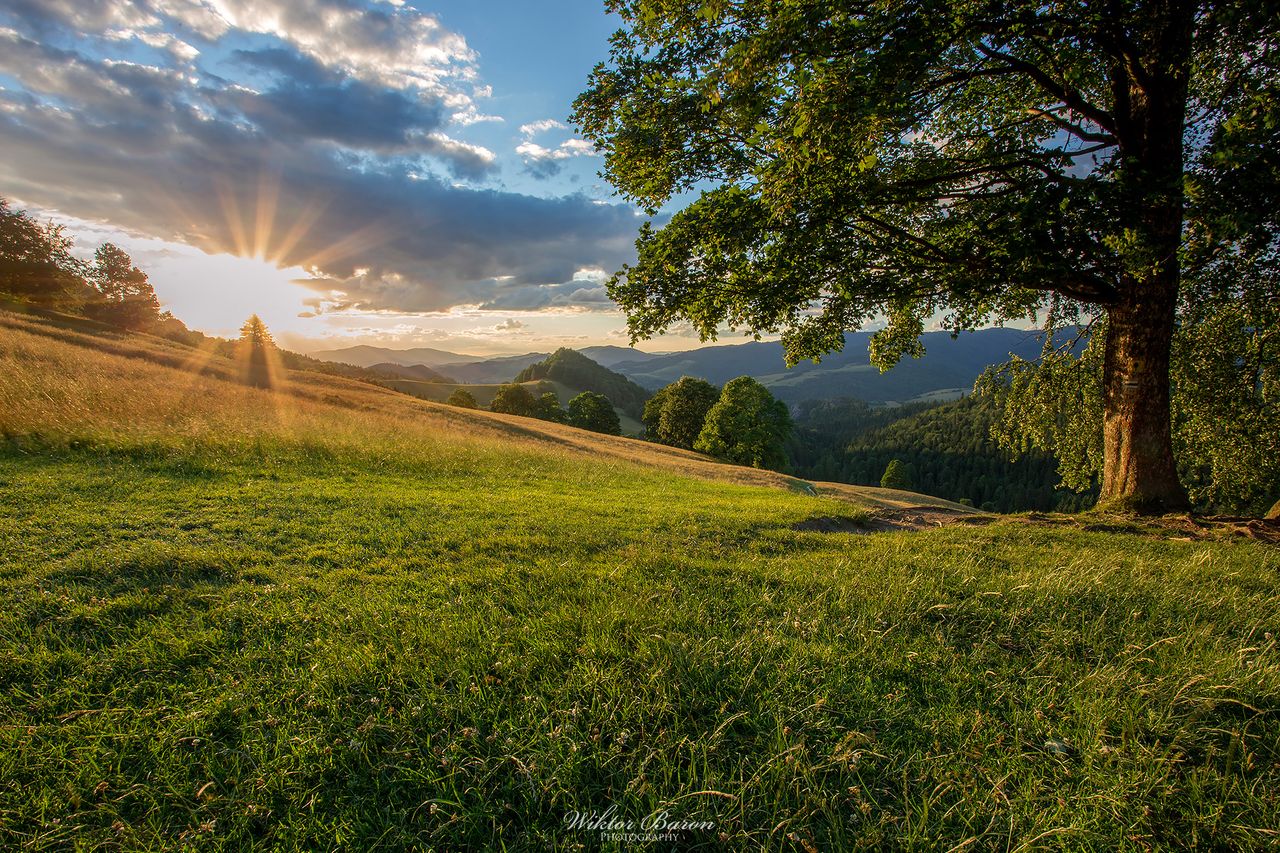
(946, 450)
(572, 368)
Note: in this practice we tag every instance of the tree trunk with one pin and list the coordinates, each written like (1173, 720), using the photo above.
(1138, 471)
(1138, 468)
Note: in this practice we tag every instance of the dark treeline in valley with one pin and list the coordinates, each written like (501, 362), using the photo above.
(945, 450)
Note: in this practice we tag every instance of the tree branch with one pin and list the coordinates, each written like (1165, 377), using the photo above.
(1071, 127)
(1068, 96)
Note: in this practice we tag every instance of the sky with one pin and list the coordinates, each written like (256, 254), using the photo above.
(355, 171)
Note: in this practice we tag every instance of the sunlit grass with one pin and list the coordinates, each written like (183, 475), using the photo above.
(383, 624)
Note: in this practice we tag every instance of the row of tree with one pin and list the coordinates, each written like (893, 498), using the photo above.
(38, 266)
(741, 423)
(588, 410)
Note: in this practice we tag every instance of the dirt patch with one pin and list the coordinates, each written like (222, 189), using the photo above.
(1185, 527)
(888, 520)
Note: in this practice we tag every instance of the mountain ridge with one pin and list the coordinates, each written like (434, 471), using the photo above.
(948, 368)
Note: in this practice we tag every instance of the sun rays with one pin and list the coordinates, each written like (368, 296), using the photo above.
(258, 223)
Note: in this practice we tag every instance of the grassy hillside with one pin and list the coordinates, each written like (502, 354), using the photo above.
(337, 617)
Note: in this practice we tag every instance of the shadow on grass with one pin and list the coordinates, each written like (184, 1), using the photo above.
(119, 570)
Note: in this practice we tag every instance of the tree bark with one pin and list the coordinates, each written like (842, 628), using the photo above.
(1138, 468)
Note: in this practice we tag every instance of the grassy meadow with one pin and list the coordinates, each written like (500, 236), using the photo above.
(331, 616)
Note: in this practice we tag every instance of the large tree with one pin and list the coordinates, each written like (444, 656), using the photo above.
(594, 412)
(36, 262)
(964, 161)
(514, 399)
(746, 426)
(128, 299)
(675, 414)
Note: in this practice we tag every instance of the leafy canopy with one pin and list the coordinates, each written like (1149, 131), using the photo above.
(463, 399)
(968, 160)
(514, 399)
(36, 262)
(128, 299)
(254, 333)
(675, 414)
(895, 476)
(549, 408)
(593, 411)
(746, 426)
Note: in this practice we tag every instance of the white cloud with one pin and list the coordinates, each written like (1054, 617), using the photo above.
(577, 148)
(168, 42)
(535, 127)
(376, 41)
(393, 45)
(541, 161)
(533, 152)
(469, 114)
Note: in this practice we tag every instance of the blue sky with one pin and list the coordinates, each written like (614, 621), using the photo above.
(362, 171)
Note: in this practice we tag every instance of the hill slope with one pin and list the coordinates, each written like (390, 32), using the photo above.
(492, 371)
(420, 372)
(575, 370)
(331, 615)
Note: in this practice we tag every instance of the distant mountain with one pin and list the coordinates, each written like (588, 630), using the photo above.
(948, 367)
(572, 368)
(946, 371)
(480, 370)
(493, 370)
(409, 371)
(608, 356)
(367, 356)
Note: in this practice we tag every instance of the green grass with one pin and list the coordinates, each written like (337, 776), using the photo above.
(292, 634)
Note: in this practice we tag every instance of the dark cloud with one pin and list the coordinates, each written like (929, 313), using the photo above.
(349, 113)
(330, 173)
(542, 170)
(309, 101)
(285, 63)
(48, 17)
(578, 294)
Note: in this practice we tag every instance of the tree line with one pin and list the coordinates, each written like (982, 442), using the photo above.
(38, 266)
(588, 410)
(741, 423)
(944, 450)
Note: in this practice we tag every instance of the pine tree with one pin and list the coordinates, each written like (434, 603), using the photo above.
(257, 352)
(128, 299)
